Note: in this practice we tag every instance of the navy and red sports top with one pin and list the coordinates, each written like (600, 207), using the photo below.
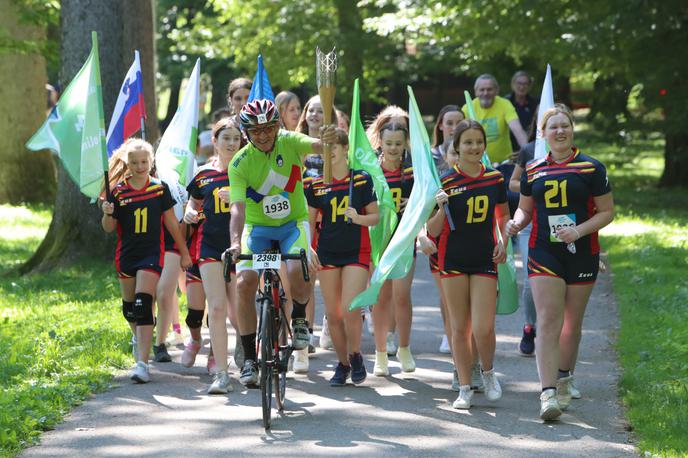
(563, 194)
(214, 228)
(332, 200)
(472, 203)
(139, 215)
(400, 183)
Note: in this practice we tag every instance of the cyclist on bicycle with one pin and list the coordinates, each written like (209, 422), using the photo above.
(268, 204)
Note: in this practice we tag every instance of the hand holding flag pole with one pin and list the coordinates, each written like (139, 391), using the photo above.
(325, 73)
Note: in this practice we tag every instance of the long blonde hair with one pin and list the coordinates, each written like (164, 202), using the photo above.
(118, 168)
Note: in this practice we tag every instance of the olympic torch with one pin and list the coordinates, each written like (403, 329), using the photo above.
(325, 73)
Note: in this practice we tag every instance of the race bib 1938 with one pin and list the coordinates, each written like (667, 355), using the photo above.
(276, 207)
(557, 222)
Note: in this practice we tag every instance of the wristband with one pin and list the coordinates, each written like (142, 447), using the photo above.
(578, 236)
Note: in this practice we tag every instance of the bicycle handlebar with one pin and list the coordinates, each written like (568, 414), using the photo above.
(249, 257)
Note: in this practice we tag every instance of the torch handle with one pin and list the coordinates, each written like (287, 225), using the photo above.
(326, 94)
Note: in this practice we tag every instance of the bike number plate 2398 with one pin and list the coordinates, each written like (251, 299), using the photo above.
(267, 261)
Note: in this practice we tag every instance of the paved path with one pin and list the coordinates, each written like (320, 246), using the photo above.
(404, 414)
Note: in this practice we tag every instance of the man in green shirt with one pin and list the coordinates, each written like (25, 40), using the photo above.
(267, 203)
(497, 116)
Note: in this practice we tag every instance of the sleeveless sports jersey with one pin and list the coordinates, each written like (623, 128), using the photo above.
(400, 183)
(139, 215)
(213, 230)
(563, 196)
(336, 236)
(472, 203)
(270, 184)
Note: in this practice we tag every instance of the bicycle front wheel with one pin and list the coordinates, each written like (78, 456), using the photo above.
(267, 346)
(284, 352)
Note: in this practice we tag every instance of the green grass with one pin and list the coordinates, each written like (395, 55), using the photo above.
(61, 333)
(648, 251)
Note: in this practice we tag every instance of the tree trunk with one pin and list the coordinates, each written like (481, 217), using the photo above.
(675, 160)
(139, 33)
(351, 31)
(173, 103)
(75, 230)
(24, 176)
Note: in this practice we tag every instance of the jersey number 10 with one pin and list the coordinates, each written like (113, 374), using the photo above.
(220, 205)
(141, 220)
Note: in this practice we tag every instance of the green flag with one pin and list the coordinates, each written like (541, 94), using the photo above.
(397, 259)
(75, 128)
(507, 299)
(362, 157)
(175, 157)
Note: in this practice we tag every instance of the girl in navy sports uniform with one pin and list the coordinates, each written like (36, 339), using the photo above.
(568, 197)
(140, 206)
(476, 197)
(209, 190)
(395, 294)
(348, 207)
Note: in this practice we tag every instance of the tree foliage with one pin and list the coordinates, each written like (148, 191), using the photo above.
(287, 33)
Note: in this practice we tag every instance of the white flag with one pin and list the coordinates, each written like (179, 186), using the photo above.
(546, 102)
(175, 158)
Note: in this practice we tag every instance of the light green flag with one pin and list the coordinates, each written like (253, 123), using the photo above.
(507, 298)
(397, 259)
(75, 128)
(175, 158)
(362, 157)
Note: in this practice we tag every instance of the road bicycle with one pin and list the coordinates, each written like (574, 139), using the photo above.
(274, 334)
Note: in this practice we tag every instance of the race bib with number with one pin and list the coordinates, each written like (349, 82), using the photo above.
(557, 222)
(276, 207)
(267, 261)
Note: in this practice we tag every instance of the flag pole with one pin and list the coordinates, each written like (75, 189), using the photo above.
(142, 114)
(99, 95)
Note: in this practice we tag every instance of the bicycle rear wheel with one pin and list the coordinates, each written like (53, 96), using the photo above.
(266, 362)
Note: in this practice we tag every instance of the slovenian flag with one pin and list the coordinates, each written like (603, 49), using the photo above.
(130, 110)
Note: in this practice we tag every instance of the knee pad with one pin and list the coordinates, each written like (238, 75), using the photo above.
(143, 309)
(128, 311)
(194, 318)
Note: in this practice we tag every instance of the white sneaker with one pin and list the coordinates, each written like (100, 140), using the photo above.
(455, 386)
(573, 389)
(325, 339)
(221, 383)
(563, 393)
(464, 399)
(300, 365)
(444, 346)
(381, 368)
(549, 406)
(493, 390)
(369, 321)
(140, 373)
(406, 359)
(391, 344)
(476, 379)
